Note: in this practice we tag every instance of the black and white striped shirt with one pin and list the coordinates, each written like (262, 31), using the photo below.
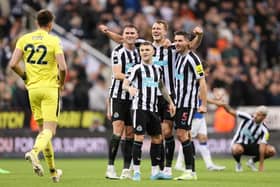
(188, 71)
(146, 78)
(127, 59)
(164, 57)
(249, 132)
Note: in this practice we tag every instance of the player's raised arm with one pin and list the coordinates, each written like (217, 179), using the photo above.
(112, 35)
(194, 44)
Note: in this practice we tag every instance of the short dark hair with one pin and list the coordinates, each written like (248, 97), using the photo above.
(44, 17)
(130, 26)
(185, 34)
(163, 22)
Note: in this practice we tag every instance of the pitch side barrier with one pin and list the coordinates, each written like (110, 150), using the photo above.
(76, 143)
(15, 119)
(79, 135)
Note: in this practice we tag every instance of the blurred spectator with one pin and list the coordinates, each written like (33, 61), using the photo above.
(5, 8)
(98, 94)
(80, 92)
(5, 55)
(273, 97)
(241, 42)
(5, 95)
(132, 5)
(20, 96)
(20, 100)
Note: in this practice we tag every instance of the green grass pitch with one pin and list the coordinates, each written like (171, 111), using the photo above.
(90, 173)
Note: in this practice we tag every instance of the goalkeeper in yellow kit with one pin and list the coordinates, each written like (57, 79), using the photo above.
(44, 76)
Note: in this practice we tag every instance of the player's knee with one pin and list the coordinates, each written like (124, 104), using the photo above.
(156, 139)
(167, 132)
(271, 151)
(237, 149)
(182, 135)
(118, 127)
(50, 126)
(129, 133)
(202, 138)
(139, 138)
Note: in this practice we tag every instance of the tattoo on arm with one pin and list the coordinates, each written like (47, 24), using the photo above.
(164, 92)
(126, 84)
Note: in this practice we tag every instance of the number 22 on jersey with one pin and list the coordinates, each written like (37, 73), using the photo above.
(33, 50)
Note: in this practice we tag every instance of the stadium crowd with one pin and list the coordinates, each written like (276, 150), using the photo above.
(241, 44)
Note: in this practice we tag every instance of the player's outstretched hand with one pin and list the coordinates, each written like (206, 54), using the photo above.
(103, 28)
(166, 43)
(198, 30)
(202, 109)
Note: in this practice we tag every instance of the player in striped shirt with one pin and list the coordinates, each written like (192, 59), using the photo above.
(124, 56)
(189, 81)
(251, 138)
(199, 131)
(144, 81)
(164, 57)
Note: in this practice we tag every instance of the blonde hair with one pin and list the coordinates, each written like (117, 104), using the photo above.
(262, 109)
(164, 23)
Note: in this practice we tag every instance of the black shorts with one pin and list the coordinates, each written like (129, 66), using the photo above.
(163, 109)
(251, 149)
(121, 110)
(146, 121)
(183, 118)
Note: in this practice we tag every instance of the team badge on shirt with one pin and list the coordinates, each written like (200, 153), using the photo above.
(139, 128)
(116, 115)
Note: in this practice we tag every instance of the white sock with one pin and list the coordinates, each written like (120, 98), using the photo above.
(131, 165)
(180, 158)
(111, 167)
(136, 168)
(155, 170)
(205, 153)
